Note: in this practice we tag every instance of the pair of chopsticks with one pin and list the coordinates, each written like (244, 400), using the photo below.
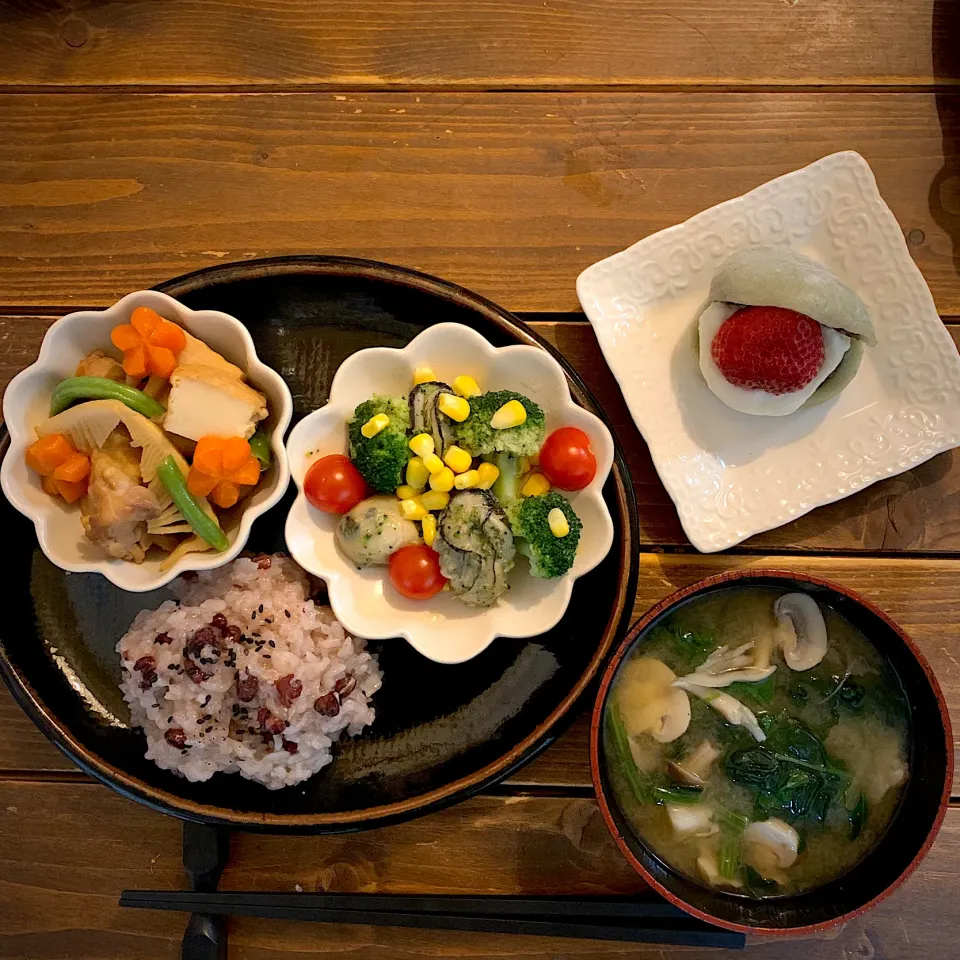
(625, 919)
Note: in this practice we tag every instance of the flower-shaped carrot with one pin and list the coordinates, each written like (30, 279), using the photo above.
(221, 466)
(150, 344)
(65, 471)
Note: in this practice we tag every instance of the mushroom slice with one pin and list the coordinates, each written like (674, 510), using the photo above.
(725, 666)
(770, 846)
(648, 703)
(801, 631)
(693, 770)
(691, 820)
(730, 708)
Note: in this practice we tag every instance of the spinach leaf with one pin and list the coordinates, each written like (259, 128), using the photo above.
(755, 767)
(756, 885)
(686, 649)
(757, 692)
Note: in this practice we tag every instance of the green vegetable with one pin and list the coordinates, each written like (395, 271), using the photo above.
(757, 885)
(549, 556)
(68, 392)
(728, 857)
(260, 448)
(506, 487)
(646, 787)
(382, 459)
(790, 772)
(761, 692)
(684, 649)
(476, 436)
(203, 524)
(858, 817)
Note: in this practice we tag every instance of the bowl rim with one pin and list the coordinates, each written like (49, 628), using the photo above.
(453, 792)
(267, 379)
(596, 719)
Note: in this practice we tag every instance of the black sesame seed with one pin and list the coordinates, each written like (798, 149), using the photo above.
(261, 608)
(272, 643)
(208, 729)
(266, 656)
(287, 612)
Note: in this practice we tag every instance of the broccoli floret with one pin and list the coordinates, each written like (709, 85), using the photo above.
(381, 459)
(476, 435)
(506, 488)
(549, 556)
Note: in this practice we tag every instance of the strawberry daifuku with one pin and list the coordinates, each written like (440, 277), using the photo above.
(779, 332)
(768, 348)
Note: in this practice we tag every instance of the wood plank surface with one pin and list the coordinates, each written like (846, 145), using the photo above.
(499, 43)
(510, 194)
(67, 850)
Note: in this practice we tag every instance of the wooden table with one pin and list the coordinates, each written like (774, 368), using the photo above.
(504, 145)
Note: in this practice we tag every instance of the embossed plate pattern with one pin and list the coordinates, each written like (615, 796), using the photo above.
(732, 475)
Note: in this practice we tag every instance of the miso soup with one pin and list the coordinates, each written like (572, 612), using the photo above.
(757, 742)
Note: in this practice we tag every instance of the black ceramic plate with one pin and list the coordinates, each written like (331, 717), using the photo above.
(442, 732)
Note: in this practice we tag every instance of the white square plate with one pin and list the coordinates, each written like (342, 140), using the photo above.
(732, 475)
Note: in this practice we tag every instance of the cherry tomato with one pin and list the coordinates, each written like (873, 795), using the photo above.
(334, 485)
(415, 572)
(566, 459)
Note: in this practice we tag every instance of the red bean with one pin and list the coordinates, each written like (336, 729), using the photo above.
(176, 737)
(270, 725)
(147, 667)
(162, 638)
(345, 686)
(288, 689)
(290, 746)
(263, 561)
(247, 686)
(219, 621)
(193, 671)
(328, 705)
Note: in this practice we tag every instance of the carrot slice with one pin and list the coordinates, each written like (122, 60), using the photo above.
(161, 361)
(47, 453)
(125, 337)
(74, 469)
(208, 456)
(71, 491)
(50, 486)
(226, 494)
(200, 484)
(236, 452)
(145, 320)
(168, 336)
(135, 362)
(248, 474)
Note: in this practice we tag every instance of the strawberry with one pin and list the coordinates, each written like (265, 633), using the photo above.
(768, 348)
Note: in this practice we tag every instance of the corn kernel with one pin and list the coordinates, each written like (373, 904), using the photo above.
(374, 425)
(413, 509)
(442, 480)
(511, 414)
(456, 408)
(417, 473)
(467, 387)
(406, 492)
(435, 499)
(429, 527)
(557, 520)
(422, 375)
(487, 474)
(457, 459)
(468, 480)
(422, 445)
(535, 485)
(433, 464)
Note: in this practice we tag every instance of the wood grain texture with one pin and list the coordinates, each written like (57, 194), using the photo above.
(499, 43)
(67, 850)
(509, 194)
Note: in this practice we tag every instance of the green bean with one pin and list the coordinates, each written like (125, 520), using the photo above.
(260, 448)
(205, 526)
(68, 392)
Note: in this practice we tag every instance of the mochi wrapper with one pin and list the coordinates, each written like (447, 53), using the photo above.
(769, 276)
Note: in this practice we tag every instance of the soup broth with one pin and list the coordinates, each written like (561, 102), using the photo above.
(757, 782)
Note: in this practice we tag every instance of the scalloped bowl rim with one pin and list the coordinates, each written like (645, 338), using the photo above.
(303, 518)
(119, 572)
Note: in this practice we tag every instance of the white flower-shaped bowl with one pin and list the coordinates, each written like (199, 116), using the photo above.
(365, 601)
(26, 403)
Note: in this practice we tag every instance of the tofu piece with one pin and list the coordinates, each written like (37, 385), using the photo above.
(197, 353)
(204, 401)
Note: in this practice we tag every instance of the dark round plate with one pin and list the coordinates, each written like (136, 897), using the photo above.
(908, 837)
(442, 732)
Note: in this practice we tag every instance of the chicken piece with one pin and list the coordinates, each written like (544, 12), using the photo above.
(116, 506)
(205, 401)
(98, 364)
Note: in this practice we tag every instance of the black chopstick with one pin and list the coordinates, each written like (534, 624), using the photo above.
(592, 918)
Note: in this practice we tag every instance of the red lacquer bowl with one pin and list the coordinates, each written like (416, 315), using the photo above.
(914, 826)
